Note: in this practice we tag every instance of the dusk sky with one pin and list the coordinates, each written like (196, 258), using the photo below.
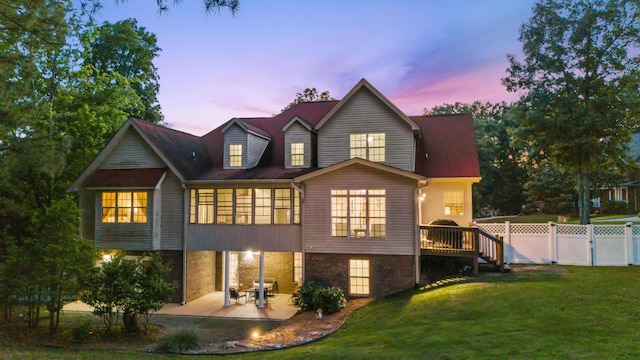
(417, 53)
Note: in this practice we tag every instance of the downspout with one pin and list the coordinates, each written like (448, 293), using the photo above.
(302, 252)
(418, 212)
(184, 243)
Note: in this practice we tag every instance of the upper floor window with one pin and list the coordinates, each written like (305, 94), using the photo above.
(297, 154)
(358, 213)
(453, 203)
(368, 146)
(124, 207)
(235, 155)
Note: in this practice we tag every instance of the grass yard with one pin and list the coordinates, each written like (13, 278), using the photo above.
(567, 313)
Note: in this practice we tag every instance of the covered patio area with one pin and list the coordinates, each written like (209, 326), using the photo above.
(277, 307)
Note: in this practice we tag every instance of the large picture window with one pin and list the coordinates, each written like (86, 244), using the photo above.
(368, 146)
(453, 203)
(358, 277)
(244, 206)
(358, 213)
(124, 207)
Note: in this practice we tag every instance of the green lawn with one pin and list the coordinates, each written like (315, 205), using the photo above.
(585, 313)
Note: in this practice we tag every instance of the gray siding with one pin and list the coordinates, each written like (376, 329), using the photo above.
(400, 212)
(87, 204)
(297, 133)
(281, 238)
(255, 148)
(130, 236)
(172, 215)
(132, 152)
(365, 113)
(235, 135)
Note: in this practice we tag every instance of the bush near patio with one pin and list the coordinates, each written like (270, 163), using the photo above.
(314, 296)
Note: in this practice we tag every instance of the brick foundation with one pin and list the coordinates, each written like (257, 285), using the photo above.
(201, 266)
(388, 274)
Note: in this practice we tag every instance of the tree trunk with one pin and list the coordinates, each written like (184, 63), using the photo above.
(584, 197)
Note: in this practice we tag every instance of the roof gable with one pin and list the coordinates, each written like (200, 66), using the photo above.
(364, 84)
(359, 161)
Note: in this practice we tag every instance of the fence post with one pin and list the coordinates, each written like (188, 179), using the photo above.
(500, 253)
(476, 252)
(628, 243)
(507, 238)
(591, 243)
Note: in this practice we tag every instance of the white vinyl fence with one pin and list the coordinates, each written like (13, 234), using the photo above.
(597, 245)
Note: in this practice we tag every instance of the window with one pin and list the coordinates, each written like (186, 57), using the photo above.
(235, 155)
(233, 269)
(358, 277)
(263, 206)
(205, 206)
(453, 203)
(225, 206)
(358, 213)
(243, 206)
(297, 267)
(368, 146)
(124, 207)
(239, 206)
(282, 206)
(297, 154)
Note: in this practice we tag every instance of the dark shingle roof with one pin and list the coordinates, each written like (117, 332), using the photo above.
(125, 178)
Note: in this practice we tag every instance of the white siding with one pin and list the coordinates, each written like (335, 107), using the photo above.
(132, 152)
(297, 133)
(400, 212)
(433, 204)
(365, 113)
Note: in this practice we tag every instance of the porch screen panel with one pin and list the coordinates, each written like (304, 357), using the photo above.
(108, 207)
(206, 206)
(225, 206)
(243, 206)
(263, 206)
(124, 207)
(282, 206)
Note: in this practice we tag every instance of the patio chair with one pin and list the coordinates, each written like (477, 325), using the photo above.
(234, 294)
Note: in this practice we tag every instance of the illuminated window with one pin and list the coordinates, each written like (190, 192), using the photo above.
(358, 277)
(263, 206)
(297, 267)
(453, 203)
(296, 207)
(225, 206)
(192, 206)
(282, 206)
(243, 206)
(368, 146)
(297, 154)
(233, 269)
(358, 213)
(124, 207)
(205, 206)
(235, 155)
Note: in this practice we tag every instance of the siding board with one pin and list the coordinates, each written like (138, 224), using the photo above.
(235, 135)
(255, 148)
(132, 153)
(400, 213)
(366, 113)
(172, 214)
(280, 238)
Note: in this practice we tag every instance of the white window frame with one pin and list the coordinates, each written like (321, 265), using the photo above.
(235, 155)
(359, 277)
(368, 146)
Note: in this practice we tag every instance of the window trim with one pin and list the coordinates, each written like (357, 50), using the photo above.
(297, 156)
(235, 155)
(131, 213)
(355, 264)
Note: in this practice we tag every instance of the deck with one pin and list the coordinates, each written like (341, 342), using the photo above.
(468, 242)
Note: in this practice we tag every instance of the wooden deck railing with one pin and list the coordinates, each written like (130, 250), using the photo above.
(464, 242)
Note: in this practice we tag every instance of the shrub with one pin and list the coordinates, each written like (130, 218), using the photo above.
(314, 296)
(180, 340)
(615, 207)
(81, 332)
(530, 209)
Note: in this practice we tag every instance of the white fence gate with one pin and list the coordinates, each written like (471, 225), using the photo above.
(598, 245)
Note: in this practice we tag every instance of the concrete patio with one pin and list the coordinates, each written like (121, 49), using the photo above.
(277, 307)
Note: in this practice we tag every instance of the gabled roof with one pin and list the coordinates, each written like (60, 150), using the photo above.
(359, 161)
(299, 120)
(447, 148)
(251, 129)
(363, 83)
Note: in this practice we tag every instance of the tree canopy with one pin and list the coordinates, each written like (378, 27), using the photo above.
(579, 85)
(309, 95)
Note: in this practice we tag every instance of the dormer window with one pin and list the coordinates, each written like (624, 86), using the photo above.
(235, 155)
(369, 146)
(297, 154)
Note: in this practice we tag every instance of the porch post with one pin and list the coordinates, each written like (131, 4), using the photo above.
(261, 291)
(226, 278)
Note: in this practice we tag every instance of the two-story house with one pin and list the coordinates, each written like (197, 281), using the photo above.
(330, 191)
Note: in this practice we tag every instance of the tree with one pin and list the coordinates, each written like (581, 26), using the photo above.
(579, 85)
(127, 49)
(501, 157)
(309, 95)
(210, 6)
